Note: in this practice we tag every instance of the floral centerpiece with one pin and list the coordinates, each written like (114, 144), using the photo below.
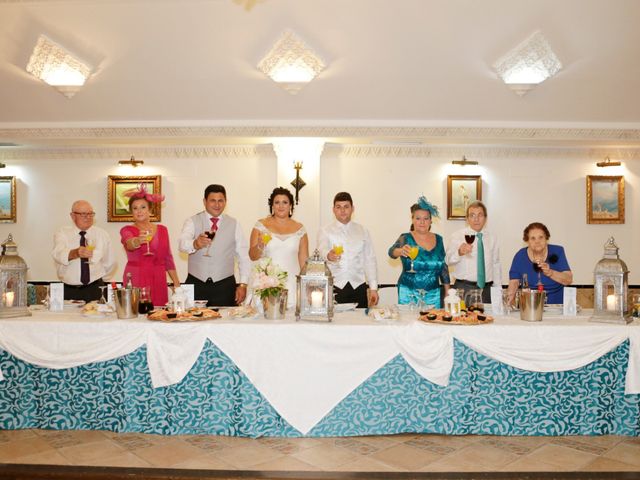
(270, 284)
(270, 279)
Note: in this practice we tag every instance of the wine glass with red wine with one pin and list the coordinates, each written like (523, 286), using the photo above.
(537, 269)
(210, 235)
(469, 239)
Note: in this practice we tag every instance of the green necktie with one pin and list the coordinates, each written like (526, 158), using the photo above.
(481, 276)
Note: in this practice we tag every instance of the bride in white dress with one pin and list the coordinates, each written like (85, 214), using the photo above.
(282, 239)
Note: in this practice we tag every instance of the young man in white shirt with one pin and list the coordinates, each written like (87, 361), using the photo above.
(83, 254)
(214, 241)
(348, 248)
(465, 257)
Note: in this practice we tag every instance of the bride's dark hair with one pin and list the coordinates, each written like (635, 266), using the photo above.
(280, 191)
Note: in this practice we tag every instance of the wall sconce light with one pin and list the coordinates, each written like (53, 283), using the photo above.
(133, 162)
(608, 163)
(297, 183)
(464, 162)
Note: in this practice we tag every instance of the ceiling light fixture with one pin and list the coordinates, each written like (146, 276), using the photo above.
(132, 161)
(55, 66)
(291, 63)
(608, 163)
(464, 162)
(528, 64)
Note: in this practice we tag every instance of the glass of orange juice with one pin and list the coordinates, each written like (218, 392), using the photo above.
(413, 253)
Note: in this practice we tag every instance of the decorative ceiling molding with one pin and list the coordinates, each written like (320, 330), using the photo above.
(481, 152)
(211, 133)
(110, 153)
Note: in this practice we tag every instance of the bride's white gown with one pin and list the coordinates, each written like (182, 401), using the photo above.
(283, 250)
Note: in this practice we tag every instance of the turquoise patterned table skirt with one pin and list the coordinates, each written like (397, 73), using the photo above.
(483, 397)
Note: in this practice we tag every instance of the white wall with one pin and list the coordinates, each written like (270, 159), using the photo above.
(517, 188)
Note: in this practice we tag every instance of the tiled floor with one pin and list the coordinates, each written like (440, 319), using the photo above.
(416, 453)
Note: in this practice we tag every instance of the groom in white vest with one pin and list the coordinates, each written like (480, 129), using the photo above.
(214, 241)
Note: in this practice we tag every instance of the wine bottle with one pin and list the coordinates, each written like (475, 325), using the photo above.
(129, 282)
(525, 282)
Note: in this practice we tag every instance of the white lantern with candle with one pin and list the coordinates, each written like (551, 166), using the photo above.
(314, 292)
(13, 282)
(610, 287)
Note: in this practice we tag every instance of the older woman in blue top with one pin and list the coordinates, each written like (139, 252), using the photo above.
(421, 279)
(543, 263)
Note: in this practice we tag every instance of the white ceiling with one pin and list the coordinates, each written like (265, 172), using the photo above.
(397, 70)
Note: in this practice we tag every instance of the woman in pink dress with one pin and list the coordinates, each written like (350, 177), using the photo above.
(149, 257)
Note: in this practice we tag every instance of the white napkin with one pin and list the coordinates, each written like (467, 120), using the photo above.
(56, 297)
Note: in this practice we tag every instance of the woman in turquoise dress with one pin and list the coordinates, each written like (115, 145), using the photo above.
(430, 270)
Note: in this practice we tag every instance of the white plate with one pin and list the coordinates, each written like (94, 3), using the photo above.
(344, 307)
(73, 304)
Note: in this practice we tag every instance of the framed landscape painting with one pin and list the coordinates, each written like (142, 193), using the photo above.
(605, 199)
(118, 201)
(461, 191)
(7, 199)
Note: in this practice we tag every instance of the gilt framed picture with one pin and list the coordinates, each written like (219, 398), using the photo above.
(461, 191)
(118, 201)
(8, 200)
(605, 199)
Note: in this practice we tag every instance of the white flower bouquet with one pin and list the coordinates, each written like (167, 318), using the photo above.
(269, 279)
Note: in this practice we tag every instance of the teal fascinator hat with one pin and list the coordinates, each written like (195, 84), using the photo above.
(425, 204)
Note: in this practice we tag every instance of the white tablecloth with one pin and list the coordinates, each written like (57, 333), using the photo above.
(305, 369)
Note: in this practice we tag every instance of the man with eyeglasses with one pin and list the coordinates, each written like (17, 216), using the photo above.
(474, 255)
(83, 254)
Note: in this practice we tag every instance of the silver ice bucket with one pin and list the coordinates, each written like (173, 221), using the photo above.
(532, 305)
(127, 302)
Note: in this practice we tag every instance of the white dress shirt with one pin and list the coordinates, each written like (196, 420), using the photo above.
(465, 267)
(189, 233)
(358, 260)
(101, 263)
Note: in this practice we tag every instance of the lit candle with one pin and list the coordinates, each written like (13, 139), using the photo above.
(611, 302)
(8, 299)
(316, 299)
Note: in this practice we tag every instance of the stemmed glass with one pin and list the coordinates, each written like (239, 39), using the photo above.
(103, 299)
(210, 235)
(338, 249)
(469, 238)
(266, 238)
(413, 253)
(536, 268)
(421, 292)
(91, 245)
(148, 236)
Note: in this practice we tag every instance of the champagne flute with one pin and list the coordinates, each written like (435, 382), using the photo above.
(91, 246)
(266, 238)
(148, 236)
(210, 235)
(413, 253)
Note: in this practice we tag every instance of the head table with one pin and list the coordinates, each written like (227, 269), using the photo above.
(353, 376)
